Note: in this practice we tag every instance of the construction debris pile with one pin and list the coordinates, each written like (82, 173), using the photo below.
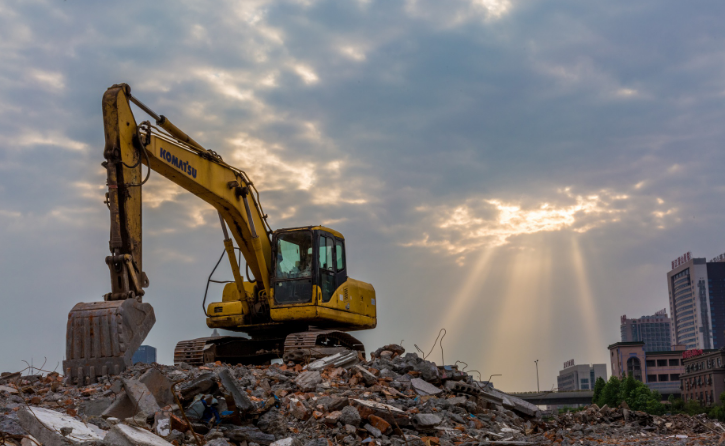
(396, 398)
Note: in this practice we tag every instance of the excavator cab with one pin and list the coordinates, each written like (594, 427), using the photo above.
(309, 286)
(308, 262)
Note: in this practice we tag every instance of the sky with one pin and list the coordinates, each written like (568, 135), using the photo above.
(518, 173)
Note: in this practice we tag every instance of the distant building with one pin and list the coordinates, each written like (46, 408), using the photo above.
(654, 331)
(145, 354)
(697, 301)
(659, 370)
(704, 376)
(580, 377)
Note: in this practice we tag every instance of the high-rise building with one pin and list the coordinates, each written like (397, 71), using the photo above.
(653, 330)
(697, 301)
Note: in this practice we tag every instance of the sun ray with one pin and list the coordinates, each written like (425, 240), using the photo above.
(479, 274)
(586, 301)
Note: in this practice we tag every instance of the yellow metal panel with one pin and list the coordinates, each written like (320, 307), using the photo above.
(355, 297)
(224, 308)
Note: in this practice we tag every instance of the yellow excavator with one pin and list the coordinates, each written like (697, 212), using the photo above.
(298, 302)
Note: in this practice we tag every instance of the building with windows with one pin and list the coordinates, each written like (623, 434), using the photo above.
(659, 370)
(697, 301)
(704, 377)
(580, 377)
(654, 331)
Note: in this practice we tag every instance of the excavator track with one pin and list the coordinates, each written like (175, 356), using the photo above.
(228, 349)
(295, 347)
(190, 352)
(322, 339)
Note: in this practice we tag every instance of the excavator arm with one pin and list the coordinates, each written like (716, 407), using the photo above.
(177, 157)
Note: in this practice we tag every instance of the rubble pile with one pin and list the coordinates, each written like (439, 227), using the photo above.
(395, 398)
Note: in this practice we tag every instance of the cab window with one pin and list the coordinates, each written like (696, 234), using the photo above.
(340, 254)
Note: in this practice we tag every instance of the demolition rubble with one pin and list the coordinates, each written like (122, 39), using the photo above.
(396, 398)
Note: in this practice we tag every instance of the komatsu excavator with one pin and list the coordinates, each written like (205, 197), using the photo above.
(298, 302)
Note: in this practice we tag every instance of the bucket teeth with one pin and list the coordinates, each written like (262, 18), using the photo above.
(102, 336)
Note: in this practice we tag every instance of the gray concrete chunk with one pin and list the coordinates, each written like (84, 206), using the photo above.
(141, 396)
(426, 420)
(249, 434)
(45, 425)
(241, 400)
(124, 435)
(423, 387)
(159, 385)
(121, 408)
(308, 381)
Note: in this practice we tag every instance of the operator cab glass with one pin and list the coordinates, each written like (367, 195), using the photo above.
(294, 261)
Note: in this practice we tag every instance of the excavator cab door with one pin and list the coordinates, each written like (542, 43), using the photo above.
(326, 265)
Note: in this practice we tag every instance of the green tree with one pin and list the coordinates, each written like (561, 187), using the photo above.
(722, 398)
(598, 387)
(610, 393)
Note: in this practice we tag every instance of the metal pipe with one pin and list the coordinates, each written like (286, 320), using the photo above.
(143, 107)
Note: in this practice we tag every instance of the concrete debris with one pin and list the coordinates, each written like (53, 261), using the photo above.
(141, 397)
(344, 360)
(159, 386)
(123, 435)
(46, 425)
(308, 381)
(424, 387)
(241, 401)
(394, 399)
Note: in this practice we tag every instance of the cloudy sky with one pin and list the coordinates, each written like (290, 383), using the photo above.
(520, 173)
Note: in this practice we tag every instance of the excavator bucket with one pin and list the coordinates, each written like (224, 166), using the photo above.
(103, 336)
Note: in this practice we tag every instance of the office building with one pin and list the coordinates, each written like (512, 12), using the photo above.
(654, 331)
(704, 376)
(659, 370)
(580, 377)
(697, 301)
(145, 354)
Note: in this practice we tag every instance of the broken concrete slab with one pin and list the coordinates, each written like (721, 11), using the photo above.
(426, 421)
(124, 435)
(141, 396)
(204, 383)
(8, 389)
(249, 434)
(95, 407)
(367, 377)
(122, 407)
(241, 400)
(342, 359)
(308, 381)
(10, 425)
(389, 413)
(46, 425)
(159, 385)
(423, 387)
